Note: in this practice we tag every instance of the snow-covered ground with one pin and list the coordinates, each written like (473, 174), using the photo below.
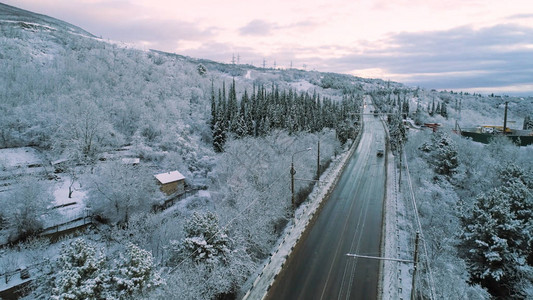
(72, 208)
(14, 280)
(19, 157)
(26, 162)
(303, 86)
(396, 278)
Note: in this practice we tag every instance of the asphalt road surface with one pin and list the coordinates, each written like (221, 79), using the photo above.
(349, 222)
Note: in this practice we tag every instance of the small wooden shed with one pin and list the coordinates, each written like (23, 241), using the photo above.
(171, 182)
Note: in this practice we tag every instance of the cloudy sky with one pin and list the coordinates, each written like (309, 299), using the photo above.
(471, 45)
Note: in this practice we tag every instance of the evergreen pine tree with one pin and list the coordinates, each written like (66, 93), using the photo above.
(204, 240)
(405, 108)
(492, 239)
(135, 273)
(446, 155)
(437, 110)
(241, 129)
(202, 70)
(213, 107)
(79, 272)
(219, 136)
(397, 132)
(443, 110)
(418, 114)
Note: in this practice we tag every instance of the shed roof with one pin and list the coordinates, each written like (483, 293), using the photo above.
(169, 177)
(131, 160)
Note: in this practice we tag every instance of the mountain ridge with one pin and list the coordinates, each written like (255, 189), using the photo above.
(27, 18)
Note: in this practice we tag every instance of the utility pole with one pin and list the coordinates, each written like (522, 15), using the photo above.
(293, 171)
(413, 283)
(264, 63)
(292, 186)
(318, 161)
(505, 119)
(460, 106)
(400, 128)
(400, 169)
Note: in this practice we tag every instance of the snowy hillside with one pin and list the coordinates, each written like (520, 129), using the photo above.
(25, 19)
(86, 124)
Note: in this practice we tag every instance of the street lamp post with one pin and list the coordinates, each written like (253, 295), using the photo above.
(292, 177)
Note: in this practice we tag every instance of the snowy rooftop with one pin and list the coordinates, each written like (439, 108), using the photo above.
(169, 177)
(131, 160)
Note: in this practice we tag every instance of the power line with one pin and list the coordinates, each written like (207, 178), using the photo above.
(417, 218)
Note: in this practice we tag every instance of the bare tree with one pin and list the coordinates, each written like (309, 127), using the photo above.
(118, 190)
(24, 208)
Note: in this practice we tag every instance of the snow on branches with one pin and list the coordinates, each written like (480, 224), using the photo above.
(82, 271)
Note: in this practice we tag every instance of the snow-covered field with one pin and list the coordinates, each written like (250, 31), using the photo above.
(19, 157)
(303, 86)
(68, 208)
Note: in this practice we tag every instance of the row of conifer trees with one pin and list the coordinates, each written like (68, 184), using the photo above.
(263, 110)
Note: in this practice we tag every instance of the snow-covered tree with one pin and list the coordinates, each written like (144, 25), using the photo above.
(221, 274)
(82, 271)
(204, 240)
(528, 123)
(418, 116)
(219, 136)
(135, 273)
(405, 108)
(397, 132)
(345, 131)
(444, 110)
(118, 190)
(83, 130)
(202, 70)
(79, 272)
(24, 208)
(496, 243)
(445, 155)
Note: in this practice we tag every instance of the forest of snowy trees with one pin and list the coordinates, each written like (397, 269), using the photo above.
(77, 101)
(473, 199)
(264, 111)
